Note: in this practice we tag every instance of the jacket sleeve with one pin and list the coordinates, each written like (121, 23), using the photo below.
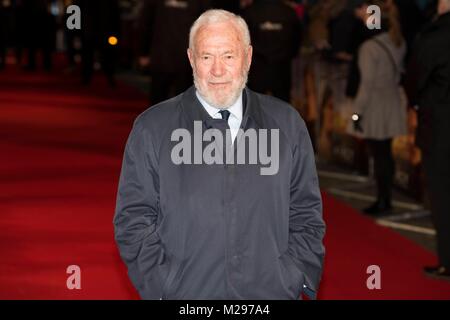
(306, 226)
(136, 213)
(426, 63)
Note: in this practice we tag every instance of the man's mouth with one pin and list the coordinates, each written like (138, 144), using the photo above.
(216, 84)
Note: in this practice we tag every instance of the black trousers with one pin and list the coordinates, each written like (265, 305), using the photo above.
(381, 151)
(437, 169)
(107, 59)
(46, 56)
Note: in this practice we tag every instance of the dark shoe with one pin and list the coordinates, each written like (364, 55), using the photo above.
(438, 272)
(378, 208)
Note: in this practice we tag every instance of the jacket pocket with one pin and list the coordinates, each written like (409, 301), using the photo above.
(174, 269)
(292, 276)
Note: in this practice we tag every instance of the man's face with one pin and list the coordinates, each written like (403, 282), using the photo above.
(443, 7)
(361, 12)
(220, 63)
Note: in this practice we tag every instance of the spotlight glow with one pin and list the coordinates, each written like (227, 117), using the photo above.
(113, 40)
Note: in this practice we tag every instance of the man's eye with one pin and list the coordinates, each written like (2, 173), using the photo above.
(229, 57)
(205, 58)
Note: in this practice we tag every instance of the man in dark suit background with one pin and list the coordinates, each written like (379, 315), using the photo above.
(164, 26)
(100, 21)
(276, 36)
(42, 33)
(429, 89)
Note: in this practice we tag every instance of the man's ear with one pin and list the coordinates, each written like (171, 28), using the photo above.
(190, 57)
(249, 57)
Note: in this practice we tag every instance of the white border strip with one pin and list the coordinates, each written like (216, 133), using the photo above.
(407, 227)
(342, 176)
(365, 197)
(410, 215)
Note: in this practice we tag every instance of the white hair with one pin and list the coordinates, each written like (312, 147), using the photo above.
(218, 16)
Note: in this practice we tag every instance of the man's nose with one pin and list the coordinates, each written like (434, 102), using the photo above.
(217, 69)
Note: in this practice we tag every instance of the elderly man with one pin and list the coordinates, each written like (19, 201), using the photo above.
(431, 92)
(209, 219)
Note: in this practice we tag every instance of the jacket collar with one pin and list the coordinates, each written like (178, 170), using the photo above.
(443, 20)
(194, 111)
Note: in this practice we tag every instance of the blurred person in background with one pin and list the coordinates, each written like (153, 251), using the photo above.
(100, 28)
(40, 33)
(3, 32)
(72, 41)
(430, 71)
(381, 116)
(360, 34)
(19, 28)
(411, 20)
(164, 29)
(276, 34)
(340, 26)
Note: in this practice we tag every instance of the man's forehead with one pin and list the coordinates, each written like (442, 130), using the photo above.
(218, 49)
(223, 32)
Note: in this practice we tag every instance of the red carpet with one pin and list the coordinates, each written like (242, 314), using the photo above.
(61, 150)
(354, 242)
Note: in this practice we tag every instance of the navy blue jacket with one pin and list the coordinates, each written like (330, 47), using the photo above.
(219, 231)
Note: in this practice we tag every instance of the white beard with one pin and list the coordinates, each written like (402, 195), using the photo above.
(225, 98)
